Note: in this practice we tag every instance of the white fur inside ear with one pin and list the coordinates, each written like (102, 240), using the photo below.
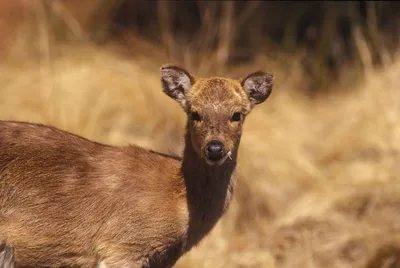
(258, 86)
(184, 82)
(250, 85)
(176, 83)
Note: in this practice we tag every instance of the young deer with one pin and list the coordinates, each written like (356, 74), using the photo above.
(67, 201)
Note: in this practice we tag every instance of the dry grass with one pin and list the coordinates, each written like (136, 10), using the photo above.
(318, 178)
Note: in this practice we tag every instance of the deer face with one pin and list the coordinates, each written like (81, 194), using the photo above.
(216, 108)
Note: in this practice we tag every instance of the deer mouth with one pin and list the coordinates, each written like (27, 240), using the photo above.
(212, 161)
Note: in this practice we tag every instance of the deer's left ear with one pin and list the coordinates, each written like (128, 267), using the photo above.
(176, 83)
(258, 86)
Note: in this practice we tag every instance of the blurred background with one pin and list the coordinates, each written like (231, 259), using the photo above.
(319, 184)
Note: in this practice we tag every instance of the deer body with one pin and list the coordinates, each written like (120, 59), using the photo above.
(66, 201)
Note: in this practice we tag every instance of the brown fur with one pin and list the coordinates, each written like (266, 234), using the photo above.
(71, 202)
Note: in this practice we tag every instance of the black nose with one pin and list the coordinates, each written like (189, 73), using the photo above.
(215, 150)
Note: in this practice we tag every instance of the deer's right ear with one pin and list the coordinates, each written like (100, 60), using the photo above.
(176, 83)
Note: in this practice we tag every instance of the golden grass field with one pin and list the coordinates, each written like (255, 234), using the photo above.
(319, 177)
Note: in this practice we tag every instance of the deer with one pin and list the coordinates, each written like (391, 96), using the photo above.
(68, 201)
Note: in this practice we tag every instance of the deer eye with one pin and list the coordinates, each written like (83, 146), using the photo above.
(195, 116)
(236, 117)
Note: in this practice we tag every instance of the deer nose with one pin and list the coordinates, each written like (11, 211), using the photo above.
(215, 150)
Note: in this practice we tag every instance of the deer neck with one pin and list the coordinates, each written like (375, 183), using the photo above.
(209, 190)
